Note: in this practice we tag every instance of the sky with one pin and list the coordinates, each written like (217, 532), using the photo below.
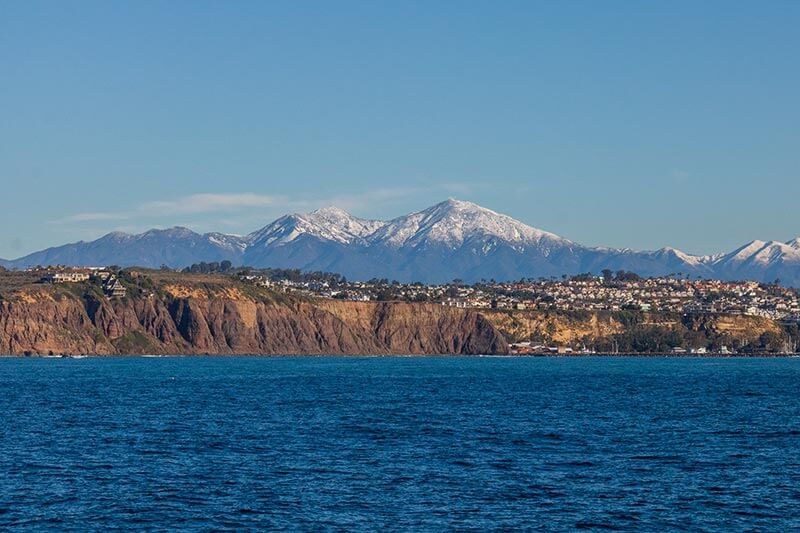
(627, 124)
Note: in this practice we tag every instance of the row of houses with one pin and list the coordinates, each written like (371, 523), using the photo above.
(111, 285)
(665, 294)
(655, 294)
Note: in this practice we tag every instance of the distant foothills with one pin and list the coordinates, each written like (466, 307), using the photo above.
(452, 239)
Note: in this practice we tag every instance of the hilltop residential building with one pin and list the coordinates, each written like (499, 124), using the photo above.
(114, 289)
(67, 277)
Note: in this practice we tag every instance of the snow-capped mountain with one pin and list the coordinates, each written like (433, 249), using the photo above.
(330, 224)
(456, 239)
(328, 239)
(762, 260)
(453, 223)
(452, 239)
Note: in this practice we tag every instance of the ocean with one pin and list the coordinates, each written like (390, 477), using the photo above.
(393, 443)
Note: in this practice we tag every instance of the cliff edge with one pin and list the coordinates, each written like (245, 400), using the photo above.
(204, 315)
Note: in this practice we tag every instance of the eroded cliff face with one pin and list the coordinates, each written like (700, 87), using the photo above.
(746, 329)
(195, 314)
(563, 328)
(181, 321)
(555, 328)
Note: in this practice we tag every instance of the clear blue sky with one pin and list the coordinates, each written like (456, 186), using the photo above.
(636, 124)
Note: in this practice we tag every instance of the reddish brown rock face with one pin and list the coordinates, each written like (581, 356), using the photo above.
(46, 323)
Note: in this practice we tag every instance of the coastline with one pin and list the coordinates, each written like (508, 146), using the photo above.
(167, 313)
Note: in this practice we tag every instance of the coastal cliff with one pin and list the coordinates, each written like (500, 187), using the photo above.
(225, 318)
(641, 332)
(172, 313)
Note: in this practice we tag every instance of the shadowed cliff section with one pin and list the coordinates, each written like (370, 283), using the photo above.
(231, 319)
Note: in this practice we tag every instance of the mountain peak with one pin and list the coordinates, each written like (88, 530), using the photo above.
(331, 210)
(762, 253)
(453, 204)
(116, 235)
(453, 222)
(174, 232)
(326, 224)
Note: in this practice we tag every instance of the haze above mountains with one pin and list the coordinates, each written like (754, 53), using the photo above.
(452, 239)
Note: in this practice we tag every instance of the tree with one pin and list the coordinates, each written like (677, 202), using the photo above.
(623, 275)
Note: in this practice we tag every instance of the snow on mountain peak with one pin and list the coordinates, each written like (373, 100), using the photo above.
(334, 224)
(347, 226)
(331, 211)
(227, 241)
(694, 260)
(763, 253)
(450, 223)
(453, 222)
(328, 223)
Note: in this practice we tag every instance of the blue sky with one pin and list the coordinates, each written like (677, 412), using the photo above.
(635, 124)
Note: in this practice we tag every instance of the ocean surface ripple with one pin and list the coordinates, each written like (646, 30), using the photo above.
(365, 444)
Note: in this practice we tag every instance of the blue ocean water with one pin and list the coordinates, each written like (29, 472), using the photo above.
(400, 444)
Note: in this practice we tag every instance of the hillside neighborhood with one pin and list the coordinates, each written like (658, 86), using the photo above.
(613, 292)
(614, 312)
(610, 291)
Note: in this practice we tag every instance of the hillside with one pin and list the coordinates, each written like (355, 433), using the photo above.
(638, 332)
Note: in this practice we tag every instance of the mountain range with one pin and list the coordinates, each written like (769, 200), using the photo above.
(452, 239)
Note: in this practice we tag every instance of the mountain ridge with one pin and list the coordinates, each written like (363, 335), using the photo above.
(451, 239)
